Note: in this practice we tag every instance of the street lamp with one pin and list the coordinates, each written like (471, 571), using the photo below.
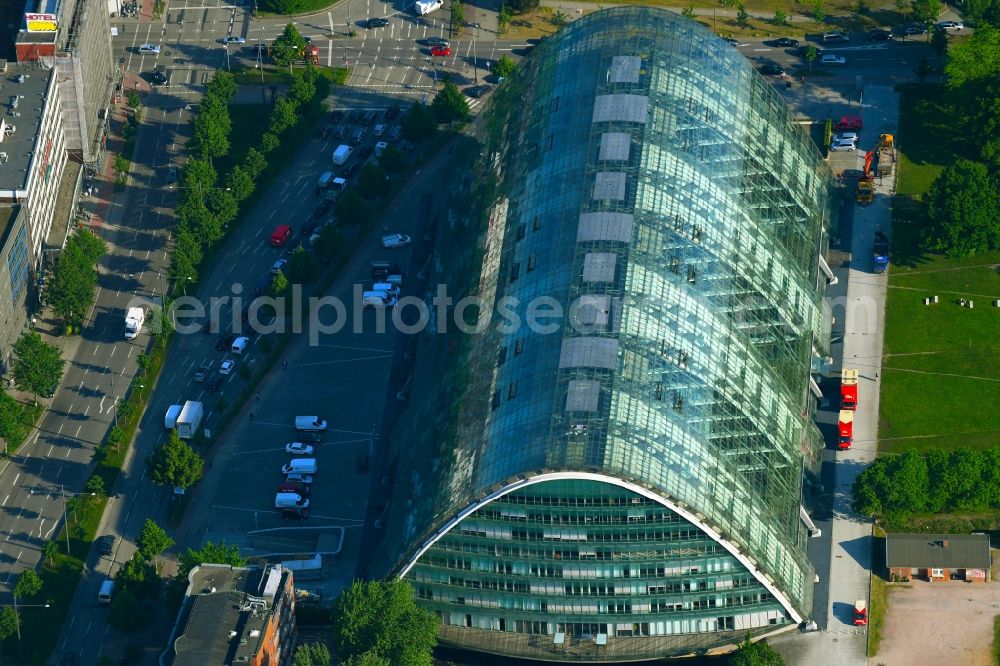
(17, 618)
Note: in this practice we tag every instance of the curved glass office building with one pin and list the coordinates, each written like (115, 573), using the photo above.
(611, 469)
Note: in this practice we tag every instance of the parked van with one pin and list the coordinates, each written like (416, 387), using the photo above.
(290, 501)
(239, 344)
(377, 299)
(107, 589)
(338, 184)
(170, 420)
(387, 287)
(309, 423)
(300, 466)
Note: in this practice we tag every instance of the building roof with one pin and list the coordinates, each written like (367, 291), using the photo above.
(942, 551)
(28, 83)
(221, 626)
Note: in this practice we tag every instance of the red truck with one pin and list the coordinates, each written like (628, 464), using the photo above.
(860, 613)
(849, 389)
(845, 429)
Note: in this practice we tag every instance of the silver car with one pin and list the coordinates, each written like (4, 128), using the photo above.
(396, 240)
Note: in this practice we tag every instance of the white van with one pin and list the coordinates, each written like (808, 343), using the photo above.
(377, 299)
(290, 501)
(300, 466)
(107, 589)
(387, 287)
(239, 344)
(170, 419)
(338, 184)
(309, 423)
(153, 49)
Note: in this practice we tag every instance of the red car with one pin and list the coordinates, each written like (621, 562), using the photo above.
(280, 235)
(440, 50)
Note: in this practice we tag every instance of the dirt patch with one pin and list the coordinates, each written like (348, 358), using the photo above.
(939, 623)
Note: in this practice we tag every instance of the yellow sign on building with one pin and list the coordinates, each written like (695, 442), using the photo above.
(41, 22)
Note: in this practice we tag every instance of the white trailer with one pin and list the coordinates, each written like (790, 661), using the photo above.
(189, 420)
(134, 319)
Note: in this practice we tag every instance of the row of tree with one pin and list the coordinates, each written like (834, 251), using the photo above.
(205, 209)
(963, 200)
(73, 281)
(931, 481)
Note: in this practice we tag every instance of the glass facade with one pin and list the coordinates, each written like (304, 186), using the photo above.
(623, 481)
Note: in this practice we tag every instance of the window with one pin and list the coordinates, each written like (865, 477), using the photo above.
(536, 224)
(521, 230)
(512, 390)
(519, 347)
(531, 263)
(937, 573)
(515, 271)
(503, 356)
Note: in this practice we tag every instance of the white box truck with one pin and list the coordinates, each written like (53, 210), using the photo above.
(134, 318)
(106, 591)
(170, 420)
(309, 423)
(300, 466)
(189, 420)
(342, 154)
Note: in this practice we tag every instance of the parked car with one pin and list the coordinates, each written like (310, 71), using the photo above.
(370, 117)
(731, 41)
(836, 36)
(842, 144)
(298, 449)
(214, 384)
(278, 266)
(335, 116)
(149, 49)
(225, 342)
(298, 478)
(392, 112)
(171, 175)
(478, 91)
(785, 42)
(341, 132)
(351, 169)
(438, 41)
(830, 59)
(234, 40)
(879, 35)
(359, 135)
(379, 129)
(440, 50)
(157, 78)
(377, 22)
(913, 29)
(226, 367)
(950, 25)
(772, 69)
(394, 133)
(396, 240)
(106, 544)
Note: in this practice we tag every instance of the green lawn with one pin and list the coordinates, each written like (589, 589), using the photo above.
(942, 362)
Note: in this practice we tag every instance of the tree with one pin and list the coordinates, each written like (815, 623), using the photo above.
(283, 115)
(153, 540)
(8, 623)
(95, 486)
(38, 366)
(780, 17)
(303, 87)
(449, 104)
(367, 659)
(925, 11)
(139, 577)
(371, 181)
(254, 163)
(521, 6)
(121, 167)
(982, 12)
(505, 66)
(223, 206)
(222, 86)
(961, 205)
(419, 123)
(810, 55)
(210, 553)
(901, 6)
(939, 43)
(312, 654)
(269, 142)
(755, 654)
(186, 256)
(199, 176)
(195, 215)
(861, 8)
(303, 267)
(392, 160)
(279, 285)
(28, 584)
(742, 16)
(923, 69)
(688, 12)
(329, 243)
(559, 18)
(212, 127)
(503, 19)
(240, 183)
(70, 290)
(49, 552)
(382, 618)
(818, 12)
(457, 12)
(175, 463)
(352, 210)
(288, 47)
(127, 612)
